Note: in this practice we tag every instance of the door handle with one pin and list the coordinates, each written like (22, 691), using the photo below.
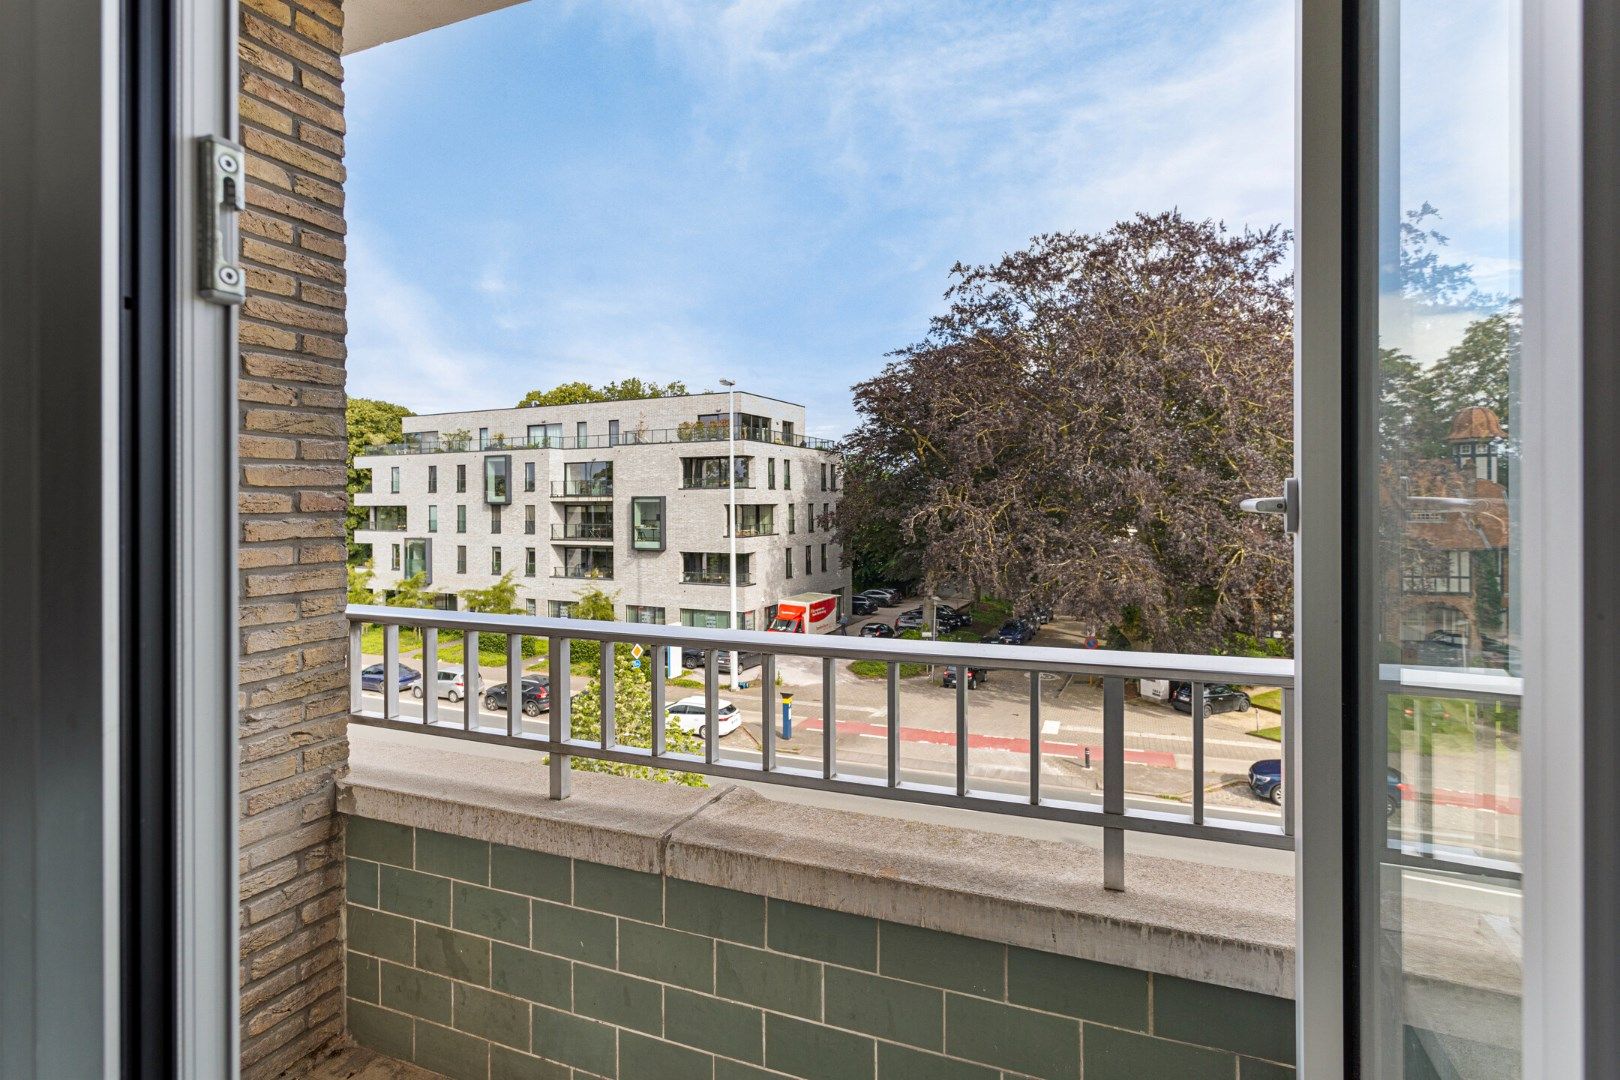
(1287, 505)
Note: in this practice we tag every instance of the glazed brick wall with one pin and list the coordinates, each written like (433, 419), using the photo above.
(293, 698)
(485, 962)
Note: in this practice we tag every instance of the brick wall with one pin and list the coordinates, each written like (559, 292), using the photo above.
(292, 446)
(484, 962)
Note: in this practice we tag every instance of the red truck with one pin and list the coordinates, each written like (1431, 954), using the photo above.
(806, 613)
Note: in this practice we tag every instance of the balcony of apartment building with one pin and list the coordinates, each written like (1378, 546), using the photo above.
(583, 532)
(585, 563)
(714, 568)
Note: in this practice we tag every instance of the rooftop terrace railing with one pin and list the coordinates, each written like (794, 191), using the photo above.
(1113, 668)
(694, 433)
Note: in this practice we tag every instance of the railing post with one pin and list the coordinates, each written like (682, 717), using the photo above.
(711, 703)
(767, 726)
(1113, 781)
(1198, 753)
(894, 725)
(961, 730)
(430, 675)
(610, 736)
(469, 664)
(391, 671)
(1035, 738)
(829, 718)
(659, 659)
(1290, 769)
(514, 684)
(562, 703)
(357, 702)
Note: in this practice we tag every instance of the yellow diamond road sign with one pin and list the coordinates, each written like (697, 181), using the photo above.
(635, 651)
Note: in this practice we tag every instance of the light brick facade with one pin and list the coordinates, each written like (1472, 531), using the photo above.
(293, 694)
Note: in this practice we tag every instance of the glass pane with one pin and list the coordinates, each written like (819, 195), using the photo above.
(1440, 683)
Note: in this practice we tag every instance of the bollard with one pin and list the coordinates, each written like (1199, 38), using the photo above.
(787, 716)
(1088, 757)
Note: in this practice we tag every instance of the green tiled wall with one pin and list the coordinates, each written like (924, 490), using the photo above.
(483, 962)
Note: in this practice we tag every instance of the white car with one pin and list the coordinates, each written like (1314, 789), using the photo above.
(452, 684)
(692, 714)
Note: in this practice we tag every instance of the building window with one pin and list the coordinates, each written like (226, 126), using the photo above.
(461, 478)
(394, 562)
(807, 567)
(714, 568)
(483, 438)
(561, 609)
(637, 613)
(823, 476)
(581, 434)
(613, 433)
(498, 479)
(495, 560)
(791, 528)
(528, 562)
(710, 472)
(590, 478)
(433, 479)
(528, 606)
(787, 474)
(1437, 572)
(528, 520)
(826, 515)
(770, 473)
(647, 523)
(790, 564)
(756, 520)
(419, 559)
(707, 620)
(586, 562)
(461, 558)
(495, 521)
(393, 480)
(586, 523)
(545, 436)
(461, 518)
(433, 519)
(823, 558)
(528, 476)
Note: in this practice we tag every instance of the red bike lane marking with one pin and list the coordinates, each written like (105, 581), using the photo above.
(1159, 758)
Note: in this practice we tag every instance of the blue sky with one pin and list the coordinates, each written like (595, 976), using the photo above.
(770, 191)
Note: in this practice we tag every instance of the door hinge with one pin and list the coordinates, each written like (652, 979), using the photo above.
(1287, 505)
(222, 171)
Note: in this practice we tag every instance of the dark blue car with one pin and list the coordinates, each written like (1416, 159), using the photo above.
(371, 678)
(1265, 780)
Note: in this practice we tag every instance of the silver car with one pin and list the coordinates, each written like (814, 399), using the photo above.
(452, 683)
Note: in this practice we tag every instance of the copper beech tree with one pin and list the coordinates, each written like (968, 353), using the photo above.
(1077, 429)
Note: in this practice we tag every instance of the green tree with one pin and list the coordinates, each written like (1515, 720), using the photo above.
(632, 719)
(360, 590)
(1489, 603)
(370, 423)
(413, 592)
(597, 605)
(498, 599)
(579, 393)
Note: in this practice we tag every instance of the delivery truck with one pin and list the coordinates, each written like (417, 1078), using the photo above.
(806, 613)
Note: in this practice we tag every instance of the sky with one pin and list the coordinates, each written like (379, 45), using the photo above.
(775, 191)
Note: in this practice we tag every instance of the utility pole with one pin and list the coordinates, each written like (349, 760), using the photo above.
(731, 484)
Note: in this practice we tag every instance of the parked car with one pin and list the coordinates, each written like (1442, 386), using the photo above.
(451, 683)
(862, 604)
(910, 620)
(692, 660)
(536, 696)
(952, 619)
(1218, 698)
(692, 714)
(371, 678)
(1041, 616)
(877, 629)
(885, 597)
(975, 676)
(1013, 632)
(1265, 780)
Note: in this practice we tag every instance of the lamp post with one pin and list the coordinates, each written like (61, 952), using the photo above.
(731, 486)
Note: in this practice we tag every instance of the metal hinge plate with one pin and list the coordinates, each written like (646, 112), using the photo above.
(222, 170)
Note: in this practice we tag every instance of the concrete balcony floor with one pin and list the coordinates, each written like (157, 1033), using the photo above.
(358, 1063)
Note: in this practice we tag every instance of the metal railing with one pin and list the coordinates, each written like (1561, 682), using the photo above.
(582, 489)
(689, 433)
(714, 577)
(582, 531)
(596, 571)
(1110, 812)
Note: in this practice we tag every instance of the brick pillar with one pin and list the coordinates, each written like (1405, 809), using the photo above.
(294, 696)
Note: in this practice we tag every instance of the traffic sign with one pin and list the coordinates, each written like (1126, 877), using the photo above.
(635, 651)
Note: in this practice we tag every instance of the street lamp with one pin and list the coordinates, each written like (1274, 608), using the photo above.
(731, 486)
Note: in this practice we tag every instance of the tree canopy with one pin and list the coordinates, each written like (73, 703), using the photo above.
(1078, 428)
(578, 393)
(497, 599)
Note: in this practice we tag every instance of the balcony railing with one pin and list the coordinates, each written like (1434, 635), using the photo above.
(582, 531)
(1107, 809)
(692, 433)
(705, 577)
(716, 485)
(595, 571)
(582, 489)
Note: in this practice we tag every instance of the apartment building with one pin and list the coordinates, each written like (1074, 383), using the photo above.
(630, 497)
